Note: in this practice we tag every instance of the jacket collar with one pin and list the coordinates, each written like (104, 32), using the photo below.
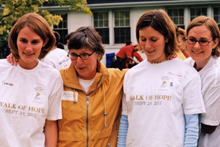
(70, 78)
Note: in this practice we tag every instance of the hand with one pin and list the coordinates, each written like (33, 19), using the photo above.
(11, 59)
(170, 57)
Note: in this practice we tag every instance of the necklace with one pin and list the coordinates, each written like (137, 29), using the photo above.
(159, 62)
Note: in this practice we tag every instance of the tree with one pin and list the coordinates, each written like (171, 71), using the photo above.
(14, 9)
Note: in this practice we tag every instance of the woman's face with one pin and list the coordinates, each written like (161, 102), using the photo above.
(29, 48)
(153, 44)
(200, 53)
(86, 69)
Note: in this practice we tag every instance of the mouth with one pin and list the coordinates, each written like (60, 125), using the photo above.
(197, 52)
(28, 54)
(149, 52)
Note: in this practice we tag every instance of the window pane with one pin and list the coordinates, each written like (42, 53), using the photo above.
(104, 33)
(95, 15)
(95, 23)
(127, 22)
(122, 35)
(177, 16)
(105, 15)
(192, 11)
(116, 15)
(122, 22)
(100, 23)
(117, 23)
(62, 33)
(105, 23)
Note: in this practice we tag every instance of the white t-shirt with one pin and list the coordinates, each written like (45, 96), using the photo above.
(57, 58)
(210, 77)
(156, 97)
(27, 99)
(85, 84)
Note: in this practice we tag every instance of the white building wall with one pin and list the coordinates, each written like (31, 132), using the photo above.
(77, 19)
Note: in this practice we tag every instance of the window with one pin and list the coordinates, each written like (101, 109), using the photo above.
(177, 15)
(61, 28)
(122, 29)
(194, 12)
(101, 25)
(217, 16)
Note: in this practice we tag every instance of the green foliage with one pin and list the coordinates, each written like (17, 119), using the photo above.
(14, 9)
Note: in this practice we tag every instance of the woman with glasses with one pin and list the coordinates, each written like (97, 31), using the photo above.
(203, 47)
(162, 98)
(92, 94)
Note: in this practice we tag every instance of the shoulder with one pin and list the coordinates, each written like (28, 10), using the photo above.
(4, 64)
(48, 69)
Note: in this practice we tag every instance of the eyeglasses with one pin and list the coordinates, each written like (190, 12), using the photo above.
(201, 42)
(83, 56)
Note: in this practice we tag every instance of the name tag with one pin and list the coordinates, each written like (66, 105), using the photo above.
(70, 96)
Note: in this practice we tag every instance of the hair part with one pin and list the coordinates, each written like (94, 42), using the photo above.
(213, 28)
(37, 24)
(86, 37)
(161, 22)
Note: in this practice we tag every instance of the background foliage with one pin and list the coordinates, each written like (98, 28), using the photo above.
(11, 10)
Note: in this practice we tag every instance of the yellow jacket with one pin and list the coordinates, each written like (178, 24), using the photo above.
(84, 123)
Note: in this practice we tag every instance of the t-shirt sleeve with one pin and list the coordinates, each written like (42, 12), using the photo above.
(124, 105)
(192, 96)
(54, 102)
(211, 98)
(49, 62)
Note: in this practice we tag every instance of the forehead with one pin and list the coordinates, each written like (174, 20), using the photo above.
(199, 32)
(26, 32)
(149, 32)
(81, 50)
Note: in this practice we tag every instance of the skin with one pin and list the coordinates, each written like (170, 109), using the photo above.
(86, 69)
(51, 133)
(29, 48)
(201, 54)
(153, 44)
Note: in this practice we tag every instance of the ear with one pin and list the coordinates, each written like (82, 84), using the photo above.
(166, 39)
(99, 56)
(45, 42)
(216, 41)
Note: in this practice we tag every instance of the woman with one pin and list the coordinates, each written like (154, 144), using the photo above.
(203, 47)
(30, 92)
(162, 98)
(92, 97)
(181, 38)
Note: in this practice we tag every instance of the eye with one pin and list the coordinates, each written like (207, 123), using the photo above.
(84, 55)
(192, 40)
(23, 40)
(143, 39)
(203, 41)
(153, 40)
(74, 55)
(35, 42)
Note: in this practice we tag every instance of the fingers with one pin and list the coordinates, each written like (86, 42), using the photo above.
(11, 59)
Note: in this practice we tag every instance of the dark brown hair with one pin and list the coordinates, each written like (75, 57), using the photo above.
(161, 22)
(86, 37)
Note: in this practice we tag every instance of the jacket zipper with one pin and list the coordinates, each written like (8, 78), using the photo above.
(87, 105)
(87, 120)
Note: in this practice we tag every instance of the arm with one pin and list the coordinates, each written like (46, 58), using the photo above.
(51, 133)
(207, 129)
(191, 130)
(122, 133)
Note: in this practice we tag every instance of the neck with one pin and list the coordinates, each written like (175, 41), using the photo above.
(200, 64)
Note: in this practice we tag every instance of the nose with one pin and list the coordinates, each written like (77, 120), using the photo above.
(147, 44)
(28, 47)
(197, 45)
(79, 60)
